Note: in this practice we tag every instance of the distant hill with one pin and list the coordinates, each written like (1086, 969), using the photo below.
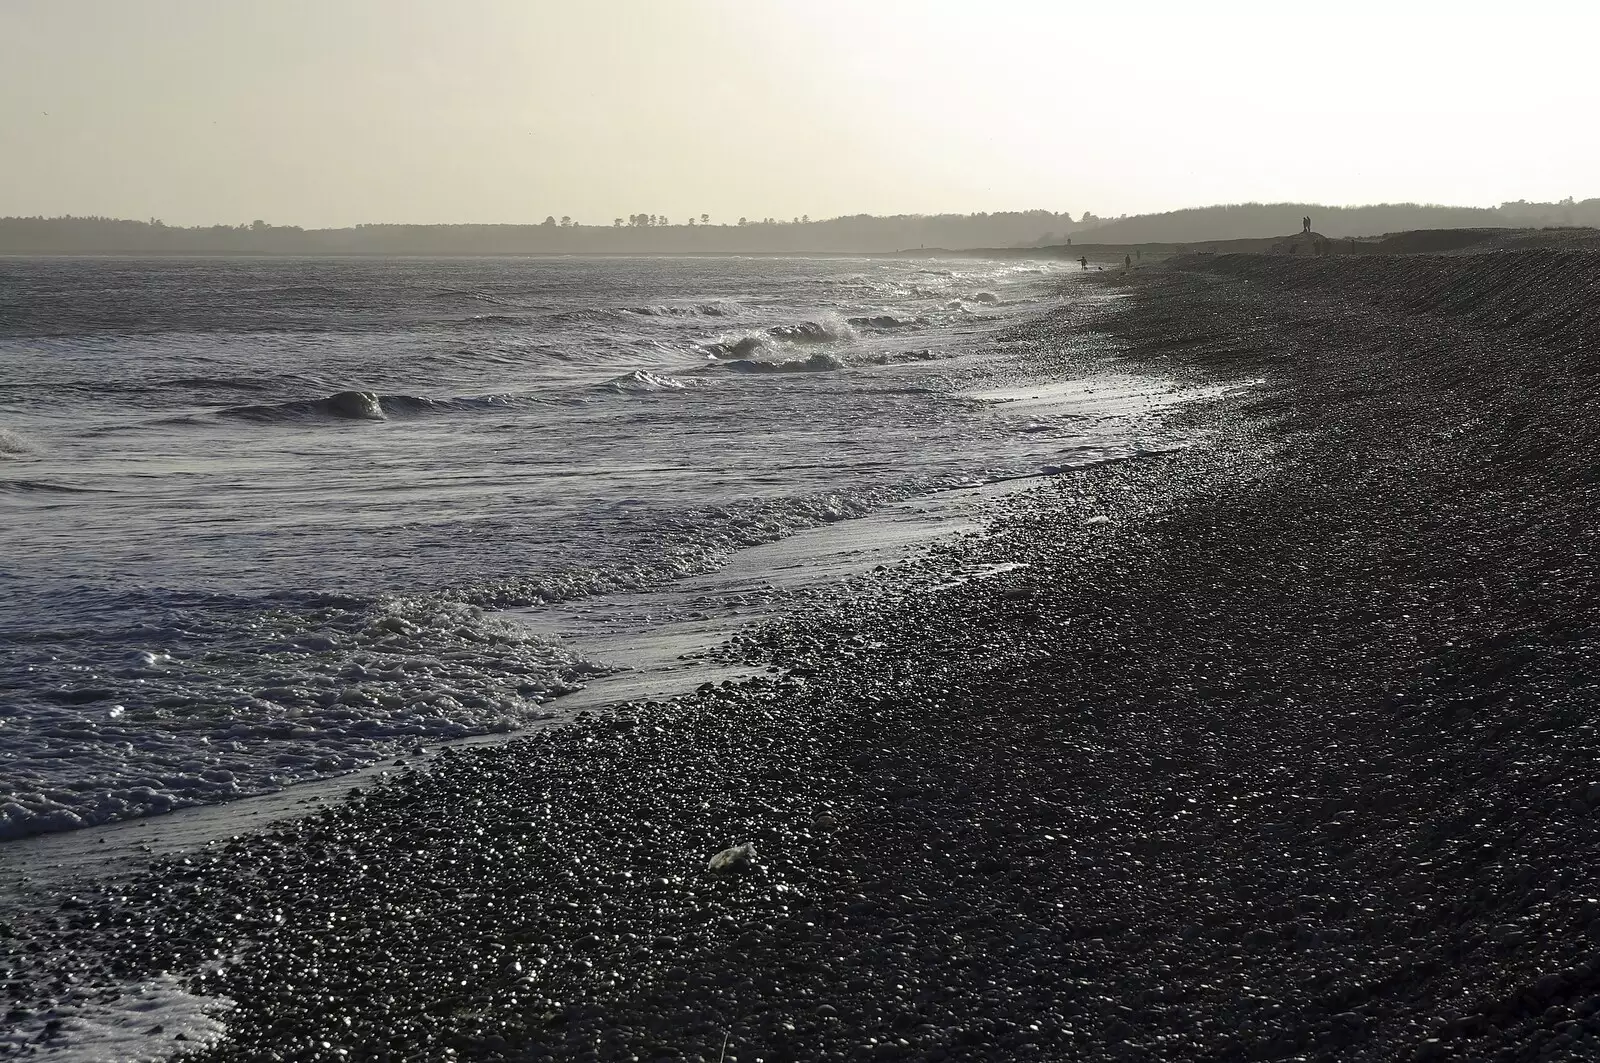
(1011, 231)
(639, 234)
(1258, 221)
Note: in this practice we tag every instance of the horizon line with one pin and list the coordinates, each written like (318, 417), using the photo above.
(803, 219)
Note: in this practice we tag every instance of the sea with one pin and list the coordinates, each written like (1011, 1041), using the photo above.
(265, 521)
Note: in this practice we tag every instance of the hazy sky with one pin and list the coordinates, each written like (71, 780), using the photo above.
(331, 112)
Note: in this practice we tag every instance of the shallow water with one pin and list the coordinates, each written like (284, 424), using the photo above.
(262, 519)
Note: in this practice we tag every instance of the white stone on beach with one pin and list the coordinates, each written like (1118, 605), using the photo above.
(739, 858)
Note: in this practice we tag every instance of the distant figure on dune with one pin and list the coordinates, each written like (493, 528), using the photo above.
(1084, 261)
(1305, 224)
(1127, 261)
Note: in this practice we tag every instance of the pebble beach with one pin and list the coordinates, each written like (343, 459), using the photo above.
(1277, 746)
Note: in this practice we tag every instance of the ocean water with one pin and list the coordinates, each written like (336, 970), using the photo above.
(262, 520)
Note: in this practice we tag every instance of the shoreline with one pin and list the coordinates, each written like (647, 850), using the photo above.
(689, 611)
(1276, 747)
(580, 544)
(949, 569)
(677, 655)
(668, 658)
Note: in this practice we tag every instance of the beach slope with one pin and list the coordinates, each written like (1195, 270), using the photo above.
(1279, 747)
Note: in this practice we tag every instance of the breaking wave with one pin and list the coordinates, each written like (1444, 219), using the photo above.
(343, 405)
(365, 406)
(831, 328)
(885, 322)
(717, 309)
(641, 381)
(817, 363)
(827, 330)
(742, 347)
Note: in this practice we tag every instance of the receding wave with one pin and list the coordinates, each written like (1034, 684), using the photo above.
(924, 354)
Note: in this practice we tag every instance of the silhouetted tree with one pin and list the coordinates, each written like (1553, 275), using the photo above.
(705, 219)
(549, 221)
(566, 221)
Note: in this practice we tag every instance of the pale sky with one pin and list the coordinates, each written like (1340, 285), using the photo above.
(333, 112)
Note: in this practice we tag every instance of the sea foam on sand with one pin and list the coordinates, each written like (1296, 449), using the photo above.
(144, 1021)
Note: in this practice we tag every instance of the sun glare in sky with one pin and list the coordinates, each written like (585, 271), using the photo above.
(333, 113)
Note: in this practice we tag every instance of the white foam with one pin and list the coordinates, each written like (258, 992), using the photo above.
(1101, 394)
(998, 568)
(642, 380)
(276, 699)
(141, 1022)
(13, 445)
